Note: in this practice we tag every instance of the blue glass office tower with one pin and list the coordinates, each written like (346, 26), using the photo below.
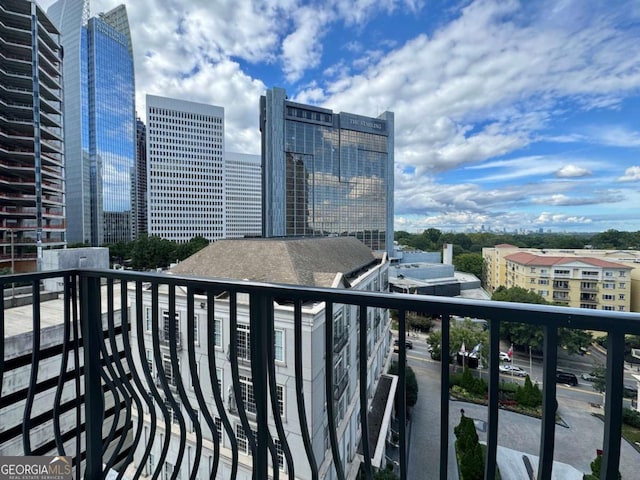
(326, 173)
(99, 113)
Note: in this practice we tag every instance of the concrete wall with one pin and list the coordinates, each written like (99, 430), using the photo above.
(62, 259)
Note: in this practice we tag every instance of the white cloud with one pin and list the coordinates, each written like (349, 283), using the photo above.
(547, 218)
(302, 48)
(572, 171)
(631, 174)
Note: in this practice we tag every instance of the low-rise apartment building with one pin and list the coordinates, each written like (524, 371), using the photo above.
(595, 279)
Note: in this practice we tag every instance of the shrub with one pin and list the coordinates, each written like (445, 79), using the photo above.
(529, 395)
(469, 450)
(631, 417)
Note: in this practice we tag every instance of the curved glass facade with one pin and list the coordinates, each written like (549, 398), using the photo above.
(99, 112)
(112, 137)
(333, 174)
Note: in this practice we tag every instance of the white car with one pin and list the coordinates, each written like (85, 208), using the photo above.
(504, 357)
(513, 370)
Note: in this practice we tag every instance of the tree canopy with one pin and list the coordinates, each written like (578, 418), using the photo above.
(154, 252)
(523, 335)
(470, 263)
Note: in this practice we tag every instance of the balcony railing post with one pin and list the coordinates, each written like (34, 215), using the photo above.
(259, 303)
(613, 405)
(91, 324)
(492, 428)
(549, 402)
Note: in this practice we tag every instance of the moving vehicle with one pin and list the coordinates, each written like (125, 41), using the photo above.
(513, 370)
(589, 377)
(566, 378)
(407, 343)
(504, 357)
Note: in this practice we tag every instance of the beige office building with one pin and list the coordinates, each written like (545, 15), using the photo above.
(595, 279)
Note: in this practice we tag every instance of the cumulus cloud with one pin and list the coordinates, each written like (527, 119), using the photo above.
(547, 218)
(572, 171)
(631, 174)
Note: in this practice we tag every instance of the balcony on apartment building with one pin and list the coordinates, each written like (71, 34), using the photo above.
(92, 403)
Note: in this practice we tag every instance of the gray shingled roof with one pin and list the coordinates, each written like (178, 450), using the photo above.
(304, 261)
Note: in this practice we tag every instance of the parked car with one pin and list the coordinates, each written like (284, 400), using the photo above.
(513, 370)
(566, 378)
(589, 377)
(407, 343)
(504, 357)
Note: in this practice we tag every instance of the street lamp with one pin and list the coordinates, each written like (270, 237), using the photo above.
(530, 364)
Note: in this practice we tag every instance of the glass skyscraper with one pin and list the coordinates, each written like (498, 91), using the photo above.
(99, 111)
(326, 173)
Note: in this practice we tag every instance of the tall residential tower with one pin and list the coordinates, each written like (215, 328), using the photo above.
(326, 173)
(99, 112)
(31, 138)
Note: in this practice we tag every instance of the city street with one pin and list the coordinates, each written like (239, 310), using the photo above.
(576, 443)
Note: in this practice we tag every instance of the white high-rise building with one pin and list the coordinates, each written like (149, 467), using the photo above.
(243, 195)
(185, 168)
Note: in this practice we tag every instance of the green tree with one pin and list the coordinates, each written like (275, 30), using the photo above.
(465, 331)
(185, 250)
(469, 450)
(529, 395)
(470, 263)
(152, 252)
(411, 383)
(385, 474)
(523, 335)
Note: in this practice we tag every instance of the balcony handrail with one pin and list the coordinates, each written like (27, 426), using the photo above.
(87, 283)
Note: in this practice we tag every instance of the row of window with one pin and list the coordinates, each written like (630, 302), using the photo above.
(585, 273)
(243, 446)
(583, 285)
(242, 336)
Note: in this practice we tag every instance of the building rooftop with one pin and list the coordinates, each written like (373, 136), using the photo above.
(525, 258)
(298, 261)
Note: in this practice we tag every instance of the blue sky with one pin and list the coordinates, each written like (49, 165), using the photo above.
(509, 115)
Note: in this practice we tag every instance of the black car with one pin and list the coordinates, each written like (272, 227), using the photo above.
(407, 343)
(566, 378)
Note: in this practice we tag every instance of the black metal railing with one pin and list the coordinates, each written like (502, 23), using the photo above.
(94, 385)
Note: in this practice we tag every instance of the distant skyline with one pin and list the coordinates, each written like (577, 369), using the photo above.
(513, 115)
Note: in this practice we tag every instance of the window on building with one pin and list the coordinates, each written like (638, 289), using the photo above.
(168, 370)
(622, 273)
(196, 329)
(280, 394)
(150, 361)
(608, 296)
(621, 296)
(173, 414)
(243, 441)
(621, 285)
(621, 308)
(607, 307)
(168, 471)
(166, 326)
(217, 332)
(608, 285)
(148, 318)
(278, 345)
(219, 375)
(279, 453)
(533, 280)
(246, 389)
(218, 423)
(543, 281)
(243, 342)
